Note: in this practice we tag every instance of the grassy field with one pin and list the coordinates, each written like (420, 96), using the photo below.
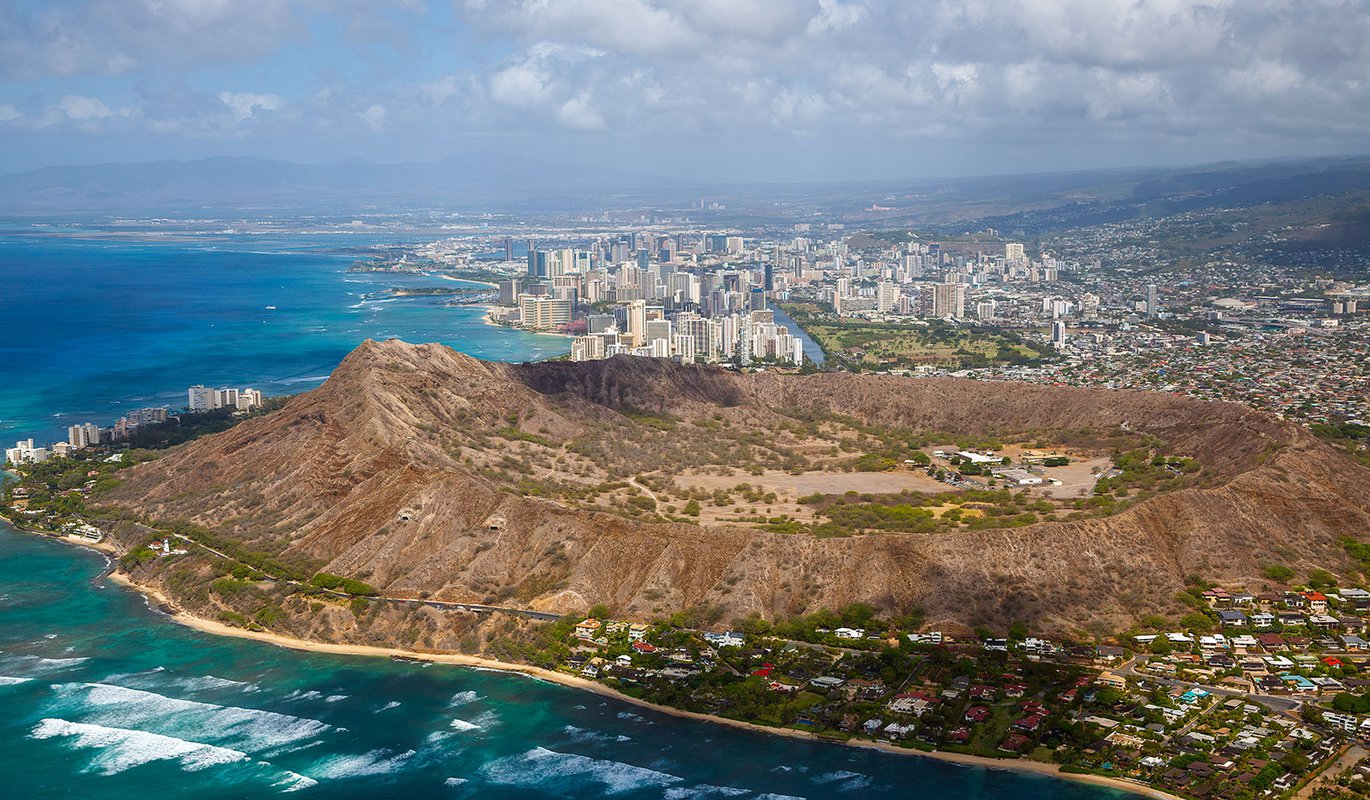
(874, 345)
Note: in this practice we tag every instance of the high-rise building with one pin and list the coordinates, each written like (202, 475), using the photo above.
(83, 435)
(1058, 333)
(887, 297)
(637, 322)
(949, 301)
(1152, 307)
(1013, 253)
(200, 398)
(544, 313)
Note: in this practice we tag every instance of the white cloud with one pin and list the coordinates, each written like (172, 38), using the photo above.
(579, 112)
(1040, 67)
(77, 107)
(244, 105)
(374, 116)
(9, 113)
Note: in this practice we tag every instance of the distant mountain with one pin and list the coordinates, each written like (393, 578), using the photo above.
(486, 180)
(1023, 204)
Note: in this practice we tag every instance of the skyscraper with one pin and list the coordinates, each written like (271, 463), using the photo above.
(949, 300)
(1151, 305)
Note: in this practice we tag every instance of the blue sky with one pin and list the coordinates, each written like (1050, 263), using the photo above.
(712, 89)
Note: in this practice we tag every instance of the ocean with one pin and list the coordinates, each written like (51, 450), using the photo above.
(102, 696)
(93, 326)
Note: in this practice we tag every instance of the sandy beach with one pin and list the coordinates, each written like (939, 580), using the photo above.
(461, 280)
(575, 682)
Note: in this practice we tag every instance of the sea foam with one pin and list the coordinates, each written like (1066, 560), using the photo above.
(375, 762)
(125, 748)
(543, 767)
(248, 728)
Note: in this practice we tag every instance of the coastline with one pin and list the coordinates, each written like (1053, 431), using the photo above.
(462, 280)
(571, 681)
(487, 309)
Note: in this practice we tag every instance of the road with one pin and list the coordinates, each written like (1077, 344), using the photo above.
(447, 605)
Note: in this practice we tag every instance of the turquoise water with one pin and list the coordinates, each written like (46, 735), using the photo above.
(102, 697)
(94, 327)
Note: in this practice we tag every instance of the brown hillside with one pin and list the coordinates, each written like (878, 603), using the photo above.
(388, 473)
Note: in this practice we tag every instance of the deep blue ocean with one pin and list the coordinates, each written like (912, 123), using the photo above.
(102, 697)
(92, 327)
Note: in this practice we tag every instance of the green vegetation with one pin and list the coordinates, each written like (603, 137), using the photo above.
(1353, 438)
(1278, 572)
(859, 344)
(337, 583)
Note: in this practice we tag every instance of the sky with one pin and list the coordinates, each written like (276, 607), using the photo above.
(774, 90)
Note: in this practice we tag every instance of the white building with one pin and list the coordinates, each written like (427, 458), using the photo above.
(24, 452)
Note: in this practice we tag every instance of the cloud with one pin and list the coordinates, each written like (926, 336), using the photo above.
(77, 107)
(374, 116)
(1073, 68)
(846, 79)
(579, 112)
(244, 105)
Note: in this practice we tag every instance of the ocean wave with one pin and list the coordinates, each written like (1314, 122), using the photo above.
(37, 666)
(773, 796)
(335, 698)
(595, 737)
(375, 762)
(6, 680)
(388, 706)
(845, 780)
(462, 698)
(463, 726)
(125, 748)
(300, 694)
(158, 679)
(454, 781)
(542, 767)
(247, 728)
(288, 381)
(703, 790)
(293, 782)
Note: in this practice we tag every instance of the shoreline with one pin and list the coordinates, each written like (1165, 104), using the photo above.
(445, 277)
(575, 682)
(487, 309)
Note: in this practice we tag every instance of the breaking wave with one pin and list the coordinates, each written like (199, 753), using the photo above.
(462, 698)
(250, 729)
(375, 762)
(543, 767)
(124, 748)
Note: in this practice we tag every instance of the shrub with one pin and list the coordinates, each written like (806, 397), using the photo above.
(1278, 572)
